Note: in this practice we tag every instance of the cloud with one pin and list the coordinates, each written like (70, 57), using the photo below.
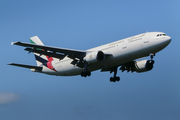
(8, 98)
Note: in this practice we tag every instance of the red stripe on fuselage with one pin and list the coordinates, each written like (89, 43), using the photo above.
(49, 63)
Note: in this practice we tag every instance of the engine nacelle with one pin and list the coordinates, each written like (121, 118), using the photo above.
(94, 57)
(144, 65)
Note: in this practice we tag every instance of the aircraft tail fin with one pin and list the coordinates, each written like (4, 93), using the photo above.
(36, 40)
(42, 60)
(38, 57)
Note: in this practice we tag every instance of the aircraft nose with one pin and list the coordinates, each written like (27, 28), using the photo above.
(168, 39)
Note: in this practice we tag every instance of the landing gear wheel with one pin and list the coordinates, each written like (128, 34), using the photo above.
(117, 78)
(111, 79)
(88, 73)
(85, 74)
(114, 79)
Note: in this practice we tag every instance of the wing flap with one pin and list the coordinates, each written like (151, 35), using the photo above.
(110, 69)
(126, 66)
(55, 55)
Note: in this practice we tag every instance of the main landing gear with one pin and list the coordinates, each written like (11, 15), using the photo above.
(85, 73)
(114, 78)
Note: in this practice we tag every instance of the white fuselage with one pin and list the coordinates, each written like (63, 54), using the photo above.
(122, 51)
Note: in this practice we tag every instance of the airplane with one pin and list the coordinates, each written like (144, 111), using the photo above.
(109, 57)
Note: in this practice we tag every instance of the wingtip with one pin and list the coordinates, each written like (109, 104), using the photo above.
(15, 43)
(12, 43)
(10, 64)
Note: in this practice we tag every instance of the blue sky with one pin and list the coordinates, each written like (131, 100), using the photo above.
(82, 25)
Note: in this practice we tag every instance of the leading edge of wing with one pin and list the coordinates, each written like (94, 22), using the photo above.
(69, 52)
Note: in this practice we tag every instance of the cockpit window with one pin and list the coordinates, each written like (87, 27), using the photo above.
(161, 35)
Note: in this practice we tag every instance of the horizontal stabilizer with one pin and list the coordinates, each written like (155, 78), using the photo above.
(27, 66)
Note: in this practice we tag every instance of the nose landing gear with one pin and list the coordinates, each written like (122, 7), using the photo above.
(152, 55)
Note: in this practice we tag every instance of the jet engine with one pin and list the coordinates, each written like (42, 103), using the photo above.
(138, 66)
(94, 56)
(143, 65)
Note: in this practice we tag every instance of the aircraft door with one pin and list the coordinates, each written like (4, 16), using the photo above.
(146, 38)
(145, 41)
(124, 44)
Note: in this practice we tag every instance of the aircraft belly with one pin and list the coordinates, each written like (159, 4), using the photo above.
(67, 69)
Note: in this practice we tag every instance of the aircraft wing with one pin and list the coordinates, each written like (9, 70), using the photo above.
(110, 69)
(128, 66)
(56, 52)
